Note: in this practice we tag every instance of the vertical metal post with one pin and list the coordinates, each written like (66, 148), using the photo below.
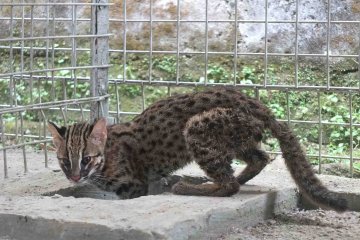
(151, 42)
(265, 83)
(3, 141)
(206, 40)
(328, 39)
(124, 41)
(320, 131)
(297, 24)
(236, 26)
(178, 16)
(74, 46)
(351, 147)
(99, 55)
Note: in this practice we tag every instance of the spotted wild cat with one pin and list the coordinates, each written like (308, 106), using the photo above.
(211, 128)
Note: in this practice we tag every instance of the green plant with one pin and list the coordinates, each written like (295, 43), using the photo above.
(167, 65)
(131, 91)
(247, 75)
(218, 74)
(303, 105)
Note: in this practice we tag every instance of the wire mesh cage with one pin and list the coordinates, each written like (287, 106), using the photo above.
(51, 69)
(84, 59)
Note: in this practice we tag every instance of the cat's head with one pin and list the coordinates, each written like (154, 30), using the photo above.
(80, 148)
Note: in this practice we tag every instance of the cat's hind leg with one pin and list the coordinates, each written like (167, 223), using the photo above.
(225, 184)
(256, 160)
(209, 141)
(216, 165)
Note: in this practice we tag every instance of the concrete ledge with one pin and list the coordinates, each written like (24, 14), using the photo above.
(30, 210)
(150, 217)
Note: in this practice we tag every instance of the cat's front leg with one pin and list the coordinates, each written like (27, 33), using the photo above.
(131, 189)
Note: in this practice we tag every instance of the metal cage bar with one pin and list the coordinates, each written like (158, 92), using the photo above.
(99, 76)
(23, 47)
(25, 69)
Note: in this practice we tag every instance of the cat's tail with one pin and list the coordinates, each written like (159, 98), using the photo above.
(301, 170)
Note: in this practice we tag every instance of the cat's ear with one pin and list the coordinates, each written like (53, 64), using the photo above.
(98, 134)
(56, 133)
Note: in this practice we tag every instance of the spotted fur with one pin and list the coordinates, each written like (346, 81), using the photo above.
(211, 128)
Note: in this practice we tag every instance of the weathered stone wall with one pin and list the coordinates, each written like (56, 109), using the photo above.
(251, 36)
(281, 36)
(61, 13)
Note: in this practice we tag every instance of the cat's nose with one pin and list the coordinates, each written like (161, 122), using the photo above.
(75, 178)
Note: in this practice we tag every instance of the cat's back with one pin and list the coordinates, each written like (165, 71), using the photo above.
(179, 108)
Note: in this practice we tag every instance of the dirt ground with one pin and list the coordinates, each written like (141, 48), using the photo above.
(302, 225)
(35, 161)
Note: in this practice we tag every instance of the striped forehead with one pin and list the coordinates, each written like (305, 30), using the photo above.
(76, 136)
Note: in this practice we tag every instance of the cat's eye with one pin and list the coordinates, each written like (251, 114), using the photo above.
(85, 160)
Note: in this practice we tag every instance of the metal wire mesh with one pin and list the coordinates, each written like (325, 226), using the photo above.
(122, 17)
(151, 56)
(46, 50)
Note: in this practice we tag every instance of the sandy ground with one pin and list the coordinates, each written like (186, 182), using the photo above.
(35, 163)
(304, 225)
(312, 224)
